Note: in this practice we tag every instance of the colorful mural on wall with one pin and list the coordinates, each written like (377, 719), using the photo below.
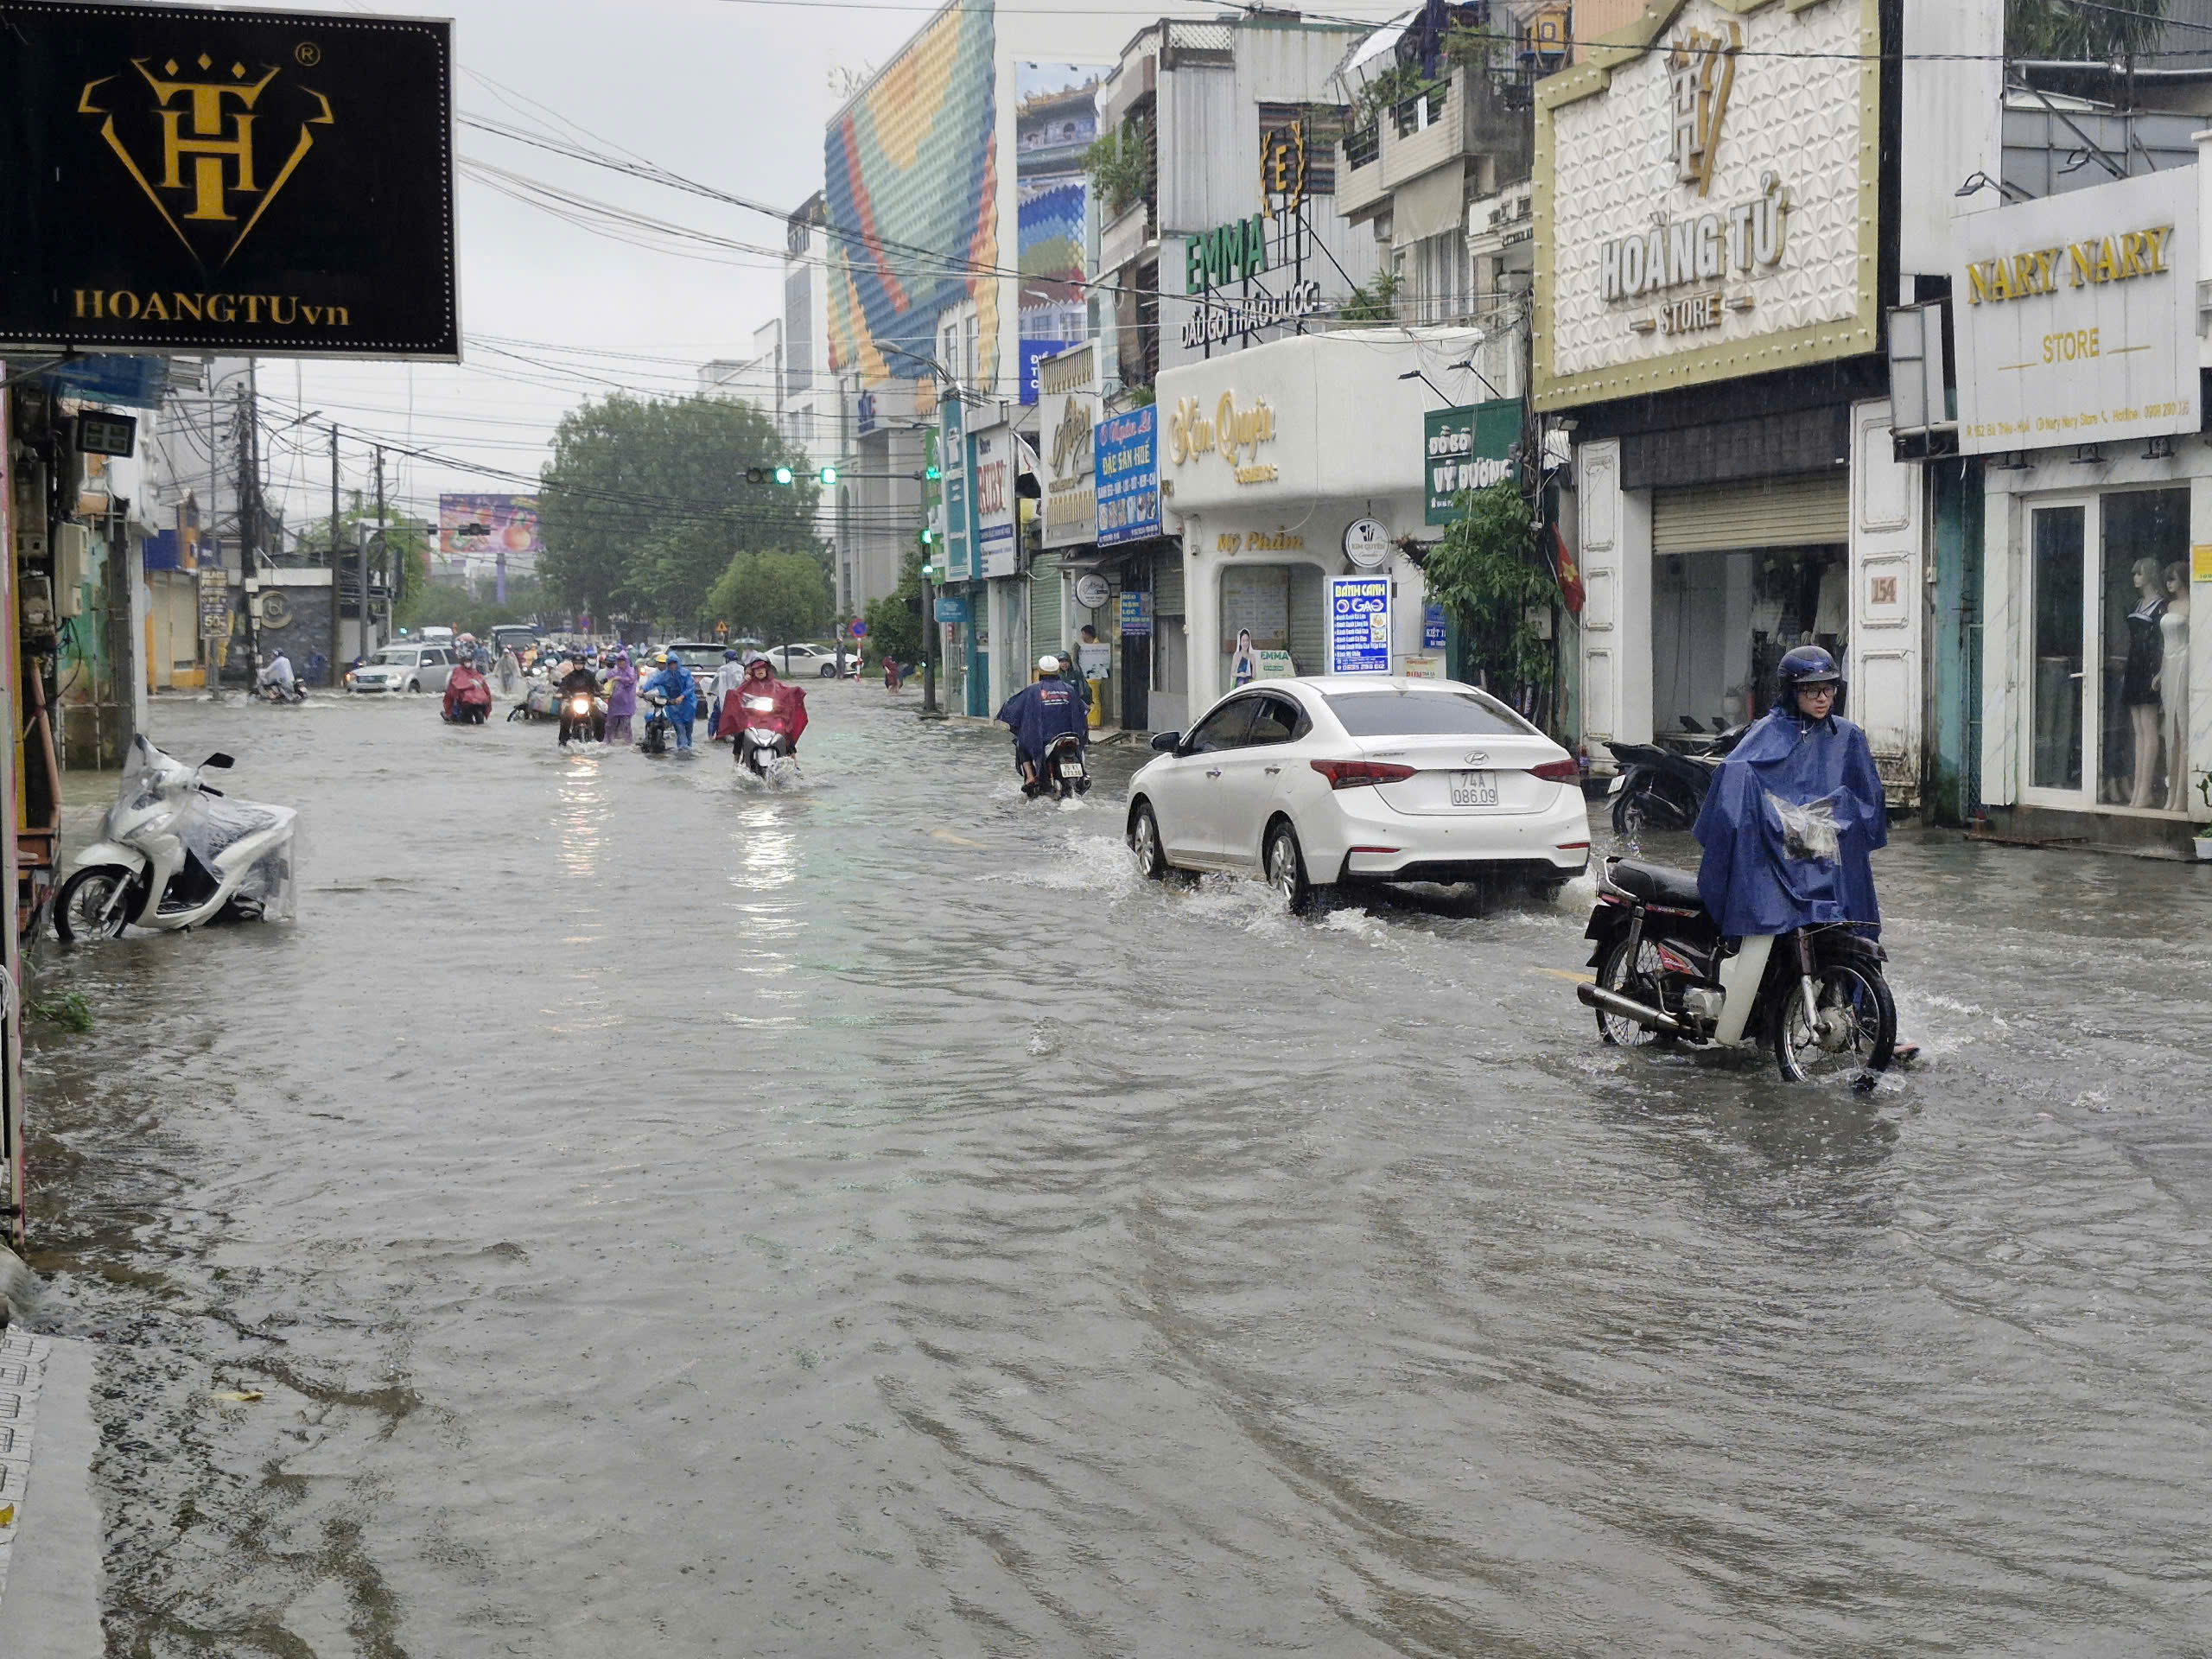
(1055, 121)
(912, 169)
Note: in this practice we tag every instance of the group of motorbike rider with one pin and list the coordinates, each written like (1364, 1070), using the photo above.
(671, 693)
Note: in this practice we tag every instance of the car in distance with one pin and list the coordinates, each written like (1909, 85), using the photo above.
(403, 668)
(819, 662)
(1318, 782)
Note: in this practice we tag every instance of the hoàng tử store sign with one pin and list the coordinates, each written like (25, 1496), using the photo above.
(254, 181)
(2075, 317)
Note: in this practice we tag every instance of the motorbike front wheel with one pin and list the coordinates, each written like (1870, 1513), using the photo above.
(95, 903)
(1850, 1029)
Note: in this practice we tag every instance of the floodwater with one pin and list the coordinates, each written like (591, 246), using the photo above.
(660, 1215)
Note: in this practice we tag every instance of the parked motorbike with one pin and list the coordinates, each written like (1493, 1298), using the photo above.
(1664, 786)
(764, 744)
(1061, 773)
(1816, 995)
(581, 713)
(175, 853)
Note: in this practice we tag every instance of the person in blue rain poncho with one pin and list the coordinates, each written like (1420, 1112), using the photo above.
(674, 682)
(1795, 813)
(1040, 712)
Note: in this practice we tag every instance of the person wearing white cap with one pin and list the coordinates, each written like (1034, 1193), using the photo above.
(1039, 712)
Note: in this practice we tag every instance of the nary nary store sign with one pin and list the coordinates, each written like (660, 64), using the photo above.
(182, 179)
(2076, 317)
(1722, 214)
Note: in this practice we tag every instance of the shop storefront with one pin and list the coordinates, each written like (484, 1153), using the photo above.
(1134, 595)
(1708, 296)
(1287, 465)
(2080, 373)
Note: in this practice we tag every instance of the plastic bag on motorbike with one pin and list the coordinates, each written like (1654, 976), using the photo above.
(1808, 827)
(210, 825)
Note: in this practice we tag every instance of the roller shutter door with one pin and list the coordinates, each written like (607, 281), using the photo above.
(1044, 604)
(1309, 619)
(1772, 512)
(1167, 582)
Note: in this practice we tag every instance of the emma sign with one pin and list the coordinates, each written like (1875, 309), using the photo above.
(278, 183)
(2077, 317)
(1706, 198)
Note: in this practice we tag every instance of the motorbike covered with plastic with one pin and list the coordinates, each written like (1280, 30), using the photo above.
(195, 856)
(1788, 827)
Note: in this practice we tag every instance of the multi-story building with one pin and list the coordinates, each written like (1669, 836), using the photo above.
(815, 416)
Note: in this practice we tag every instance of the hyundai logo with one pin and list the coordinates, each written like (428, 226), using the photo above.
(1477, 757)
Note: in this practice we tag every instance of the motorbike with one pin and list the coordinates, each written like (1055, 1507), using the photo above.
(1662, 787)
(1816, 995)
(1061, 773)
(582, 712)
(175, 853)
(763, 743)
(295, 692)
(659, 726)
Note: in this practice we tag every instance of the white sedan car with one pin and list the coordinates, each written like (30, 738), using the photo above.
(403, 668)
(1315, 782)
(800, 662)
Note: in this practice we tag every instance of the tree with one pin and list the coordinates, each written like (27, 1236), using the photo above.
(647, 502)
(1485, 571)
(2060, 30)
(894, 622)
(773, 597)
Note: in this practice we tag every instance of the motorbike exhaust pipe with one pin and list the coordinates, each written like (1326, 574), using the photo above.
(1596, 997)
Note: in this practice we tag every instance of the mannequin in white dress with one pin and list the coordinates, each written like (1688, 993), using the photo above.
(2173, 686)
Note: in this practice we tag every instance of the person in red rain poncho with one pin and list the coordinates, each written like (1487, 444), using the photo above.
(788, 715)
(468, 696)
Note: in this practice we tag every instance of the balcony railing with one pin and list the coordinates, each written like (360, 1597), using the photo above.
(1423, 110)
(1365, 147)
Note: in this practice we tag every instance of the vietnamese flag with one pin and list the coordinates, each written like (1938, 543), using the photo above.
(1570, 574)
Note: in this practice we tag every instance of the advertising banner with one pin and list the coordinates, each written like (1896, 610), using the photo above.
(2076, 317)
(485, 526)
(264, 182)
(1469, 448)
(995, 550)
(1359, 624)
(959, 519)
(1067, 422)
(1126, 452)
(1136, 612)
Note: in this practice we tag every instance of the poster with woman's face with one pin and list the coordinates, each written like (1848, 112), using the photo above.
(1244, 661)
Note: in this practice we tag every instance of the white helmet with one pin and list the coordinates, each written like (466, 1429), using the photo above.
(1048, 664)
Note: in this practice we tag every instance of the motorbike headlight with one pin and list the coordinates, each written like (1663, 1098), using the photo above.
(580, 706)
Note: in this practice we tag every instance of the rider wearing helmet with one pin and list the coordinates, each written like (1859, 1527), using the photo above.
(1795, 812)
(727, 678)
(674, 682)
(1039, 712)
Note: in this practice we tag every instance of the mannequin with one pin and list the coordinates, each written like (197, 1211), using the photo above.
(2138, 689)
(2173, 686)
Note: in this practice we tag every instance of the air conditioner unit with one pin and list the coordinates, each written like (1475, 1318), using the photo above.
(72, 568)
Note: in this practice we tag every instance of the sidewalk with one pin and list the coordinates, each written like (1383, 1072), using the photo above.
(49, 1524)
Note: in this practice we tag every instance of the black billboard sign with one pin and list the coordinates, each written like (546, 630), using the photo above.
(262, 182)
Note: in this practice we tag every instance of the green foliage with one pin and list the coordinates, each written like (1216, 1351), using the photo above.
(476, 611)
(776, 597)
(1471, 46)
(69, 1010)
(1139, 397)
(1376, 302)
(645, 504)
(894, 623)
(1120, 165)
(2062, 30)
(398, 550)
(1486, 571)
(1386, 90)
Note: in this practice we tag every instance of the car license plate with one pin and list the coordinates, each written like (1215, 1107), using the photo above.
(1474, 788)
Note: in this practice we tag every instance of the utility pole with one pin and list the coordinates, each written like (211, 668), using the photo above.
(249, 525)
(929, 645)
(383, 551)
(361, 573)
(337, 633)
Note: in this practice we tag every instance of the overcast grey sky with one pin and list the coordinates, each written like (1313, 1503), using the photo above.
(732, 93)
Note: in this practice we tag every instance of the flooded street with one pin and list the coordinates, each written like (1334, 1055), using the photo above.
(657, 1215)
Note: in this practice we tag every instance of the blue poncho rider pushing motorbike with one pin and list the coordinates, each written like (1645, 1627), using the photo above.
(1795, 813)
(1046, 708)
(674, 682)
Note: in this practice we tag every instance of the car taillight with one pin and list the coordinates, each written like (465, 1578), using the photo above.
(1352, 774)
(1557, 772)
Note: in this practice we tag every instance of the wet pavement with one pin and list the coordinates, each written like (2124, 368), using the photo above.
(630, 1211)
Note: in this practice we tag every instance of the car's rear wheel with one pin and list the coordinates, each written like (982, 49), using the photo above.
(1285, 868)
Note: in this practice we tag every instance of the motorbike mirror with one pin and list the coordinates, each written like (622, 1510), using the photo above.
(1166, 741)
(220, 761)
